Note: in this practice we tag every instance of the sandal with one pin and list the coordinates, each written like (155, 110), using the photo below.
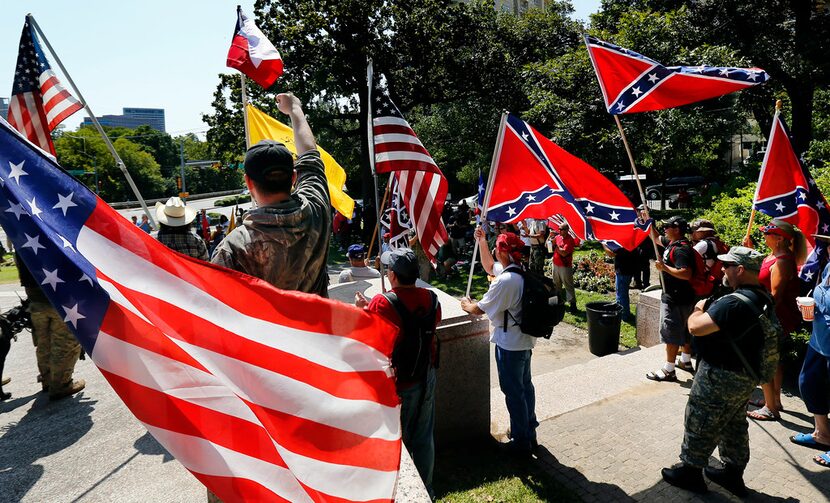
(687, 366)
(661, 375)
(763, 414)
(808, 440)
(822, 460)
(760, 402)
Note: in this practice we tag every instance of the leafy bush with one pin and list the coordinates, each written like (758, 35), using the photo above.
(592, 272)
(730, 212)
(233, 200)
(795, 347)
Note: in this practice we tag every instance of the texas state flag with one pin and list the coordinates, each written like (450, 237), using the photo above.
(253, 54)
(631, 82)
(535, 178)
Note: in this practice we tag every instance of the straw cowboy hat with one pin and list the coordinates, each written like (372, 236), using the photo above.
(174, 213)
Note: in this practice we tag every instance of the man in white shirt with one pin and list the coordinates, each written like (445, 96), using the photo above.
(502, 304)
(357, 269)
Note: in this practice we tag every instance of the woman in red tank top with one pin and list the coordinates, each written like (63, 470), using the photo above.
(779, 275)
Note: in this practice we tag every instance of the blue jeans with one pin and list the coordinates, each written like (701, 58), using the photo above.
(621, 285)
(417, 425)
(519, 394)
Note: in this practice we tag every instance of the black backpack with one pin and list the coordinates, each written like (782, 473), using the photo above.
(413, 350)
(541, 309)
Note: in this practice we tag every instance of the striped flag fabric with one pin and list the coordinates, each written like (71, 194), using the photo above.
(422, 184)
(39, 102)
(631, 82)
(262, 394)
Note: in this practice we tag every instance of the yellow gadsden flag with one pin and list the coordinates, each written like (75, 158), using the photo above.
(265, 127)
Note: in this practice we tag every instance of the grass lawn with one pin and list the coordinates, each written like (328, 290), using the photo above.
(628, 330)
(482, 473)
(8, 274)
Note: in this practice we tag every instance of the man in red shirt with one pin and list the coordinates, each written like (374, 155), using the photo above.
(417, 312)
(563, 271)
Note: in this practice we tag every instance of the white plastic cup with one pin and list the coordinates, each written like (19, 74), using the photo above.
(807, 307)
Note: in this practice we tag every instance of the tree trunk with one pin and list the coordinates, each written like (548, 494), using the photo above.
(801, 129)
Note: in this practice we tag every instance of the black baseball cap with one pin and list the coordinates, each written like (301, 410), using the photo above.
(677, 221)
(266, 157)
(401, 261)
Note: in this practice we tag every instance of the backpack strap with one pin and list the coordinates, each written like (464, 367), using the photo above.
(757, 312)
(518, 270)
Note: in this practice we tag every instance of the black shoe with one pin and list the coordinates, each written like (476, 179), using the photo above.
(730, 478)
(685, 477)
(516, 450)
(573, 309)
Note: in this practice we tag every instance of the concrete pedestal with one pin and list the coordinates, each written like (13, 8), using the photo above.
(648, 318)
(462, 402)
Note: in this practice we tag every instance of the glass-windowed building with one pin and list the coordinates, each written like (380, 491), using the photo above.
(132, 118)
(4, 108)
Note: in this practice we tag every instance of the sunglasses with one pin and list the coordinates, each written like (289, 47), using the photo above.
(727, 265)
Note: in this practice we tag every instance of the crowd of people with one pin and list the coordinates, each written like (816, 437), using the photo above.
(722, 304)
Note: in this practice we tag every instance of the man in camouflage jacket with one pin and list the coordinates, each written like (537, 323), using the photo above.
(285, 239)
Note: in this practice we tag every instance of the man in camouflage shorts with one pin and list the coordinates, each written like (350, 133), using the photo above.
(716, 410)
(57, 348)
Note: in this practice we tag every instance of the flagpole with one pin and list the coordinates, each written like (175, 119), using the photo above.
(639, 187)
(761, 174)
(244, 89)
(107, 142)
(377, 224)
(371, 143)
(487, 190)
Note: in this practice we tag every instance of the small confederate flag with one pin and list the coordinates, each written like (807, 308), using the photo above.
(252, 53)
(631, 82)
(262, 394)
(787, 191)
(421, 183)
(39, 102)
(536, 178)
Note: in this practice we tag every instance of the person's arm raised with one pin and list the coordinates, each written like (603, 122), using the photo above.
(303, 137)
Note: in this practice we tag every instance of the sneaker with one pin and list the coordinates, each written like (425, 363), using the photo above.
(730, 478)
(685, 477)
(68, 389)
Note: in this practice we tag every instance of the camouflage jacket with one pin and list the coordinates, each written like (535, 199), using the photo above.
(286, 244)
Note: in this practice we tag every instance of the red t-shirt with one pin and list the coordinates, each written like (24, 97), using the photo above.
(416, 300)
(566, 242)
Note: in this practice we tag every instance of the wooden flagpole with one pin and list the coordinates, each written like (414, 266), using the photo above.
(639, 188)
(487, 191)
(377, 224)
(370, 137)
(107, 142)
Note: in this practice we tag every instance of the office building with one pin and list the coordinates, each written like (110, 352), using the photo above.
(4, 108)
(132, 118)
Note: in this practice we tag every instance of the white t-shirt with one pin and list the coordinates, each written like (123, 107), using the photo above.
(505, 293)
(702, 247)
(357, 273)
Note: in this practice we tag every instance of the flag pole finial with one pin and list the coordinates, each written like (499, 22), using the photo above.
(778, 105)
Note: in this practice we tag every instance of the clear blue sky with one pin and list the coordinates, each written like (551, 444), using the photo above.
(150, 53)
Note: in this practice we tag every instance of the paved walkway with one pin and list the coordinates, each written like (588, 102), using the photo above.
(613, 449)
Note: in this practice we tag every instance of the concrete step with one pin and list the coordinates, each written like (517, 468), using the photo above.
(572, 387)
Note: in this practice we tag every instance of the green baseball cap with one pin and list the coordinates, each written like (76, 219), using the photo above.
(741, 255)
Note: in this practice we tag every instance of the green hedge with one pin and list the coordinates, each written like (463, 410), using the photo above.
(233, 200)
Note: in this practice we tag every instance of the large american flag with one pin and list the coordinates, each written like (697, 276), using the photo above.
(263, 394)
(422, 184)
(39, 102)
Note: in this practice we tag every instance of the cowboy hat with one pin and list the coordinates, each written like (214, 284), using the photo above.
(174, 213)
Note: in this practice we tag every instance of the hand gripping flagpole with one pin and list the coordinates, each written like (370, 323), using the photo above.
(760, 177)
(94, 119)
(370, 137)
(487, 191)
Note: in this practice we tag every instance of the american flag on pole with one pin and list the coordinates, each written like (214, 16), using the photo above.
(631, 82)
(787, 191)
(422, 184)
(262, 394)
(39, 102)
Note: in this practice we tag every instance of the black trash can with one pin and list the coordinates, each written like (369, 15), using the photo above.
(603, 327)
